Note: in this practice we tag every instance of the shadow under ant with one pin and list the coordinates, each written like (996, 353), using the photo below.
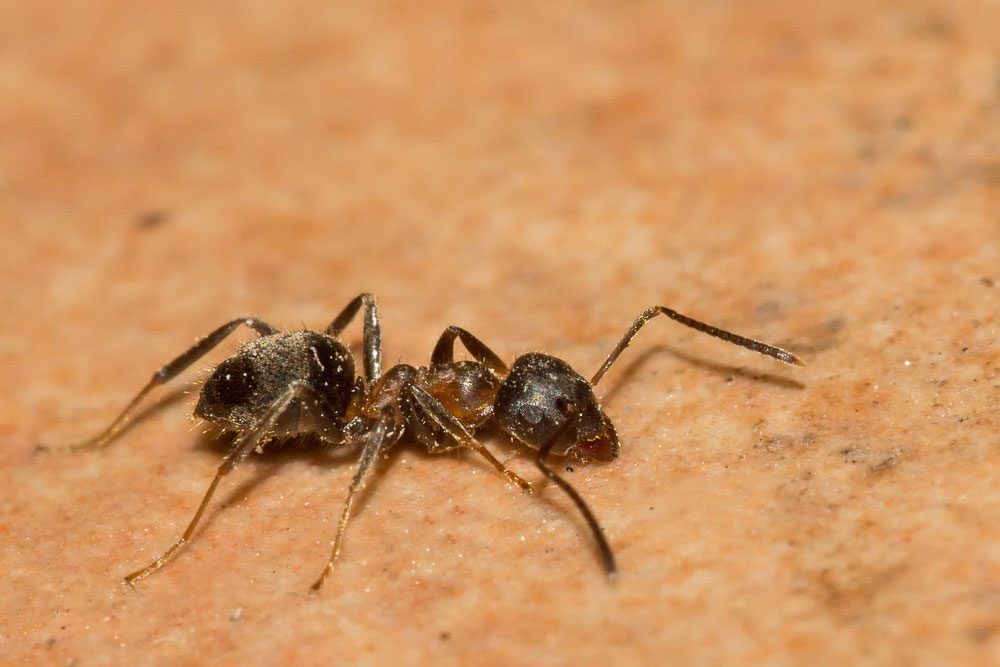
(274, 456)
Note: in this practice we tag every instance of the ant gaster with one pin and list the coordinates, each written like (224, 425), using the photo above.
(287, 384)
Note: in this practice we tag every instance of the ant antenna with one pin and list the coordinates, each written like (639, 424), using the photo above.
(572, 414)
(784, 356)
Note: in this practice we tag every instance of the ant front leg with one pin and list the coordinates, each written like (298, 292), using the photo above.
(444, 351)
(167, 373)
(422, 405)
(245, 444)
(372, 333)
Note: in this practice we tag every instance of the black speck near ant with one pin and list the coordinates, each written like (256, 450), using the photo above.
(287, 384)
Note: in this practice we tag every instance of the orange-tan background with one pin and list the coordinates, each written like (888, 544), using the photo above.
(823, 176)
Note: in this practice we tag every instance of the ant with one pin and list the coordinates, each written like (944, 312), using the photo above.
(298, 383)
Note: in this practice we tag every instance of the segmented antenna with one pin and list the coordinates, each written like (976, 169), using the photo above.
(784, 356)
(572, 414)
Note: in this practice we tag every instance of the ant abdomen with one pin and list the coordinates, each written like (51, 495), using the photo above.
(244, 385)
(530, 406)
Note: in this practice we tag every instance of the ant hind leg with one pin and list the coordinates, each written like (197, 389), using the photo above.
(164, 375)
(245, 444)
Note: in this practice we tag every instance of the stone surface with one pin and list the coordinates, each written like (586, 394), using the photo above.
(823, 176)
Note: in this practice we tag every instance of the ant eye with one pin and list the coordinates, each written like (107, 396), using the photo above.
(567, 407)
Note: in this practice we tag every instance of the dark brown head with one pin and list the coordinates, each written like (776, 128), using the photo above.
(531, 407)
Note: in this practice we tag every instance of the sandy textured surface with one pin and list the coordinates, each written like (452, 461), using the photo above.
(824, 177)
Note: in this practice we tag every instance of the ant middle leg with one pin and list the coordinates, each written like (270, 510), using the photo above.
(383, 435)
(781, 355)
(372, 333)
(245, 444)
(164, 375)
(444, 351)
(421, 404)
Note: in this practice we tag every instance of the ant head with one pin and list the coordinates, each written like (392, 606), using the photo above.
(530, 405)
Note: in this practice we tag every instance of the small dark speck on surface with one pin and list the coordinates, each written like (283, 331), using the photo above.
(965, 349)
(835, 325)
(768, 310)
(569, 468)
(934, 27)
(444, 636)
(981, 633)
(986, 280)
(151, 219)
(885, 465)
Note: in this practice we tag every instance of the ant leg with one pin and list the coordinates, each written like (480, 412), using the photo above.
(781, 355)
(444, 351)
(423, 404)
(167, 373)
(572, 414)
(248, 442)
(383, 435)
(372, 333)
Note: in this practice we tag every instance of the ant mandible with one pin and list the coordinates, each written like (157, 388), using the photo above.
(287, 384)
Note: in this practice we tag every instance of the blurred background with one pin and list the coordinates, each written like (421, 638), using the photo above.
(822, 176)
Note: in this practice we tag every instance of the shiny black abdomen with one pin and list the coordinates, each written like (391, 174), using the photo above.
(243, 387)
